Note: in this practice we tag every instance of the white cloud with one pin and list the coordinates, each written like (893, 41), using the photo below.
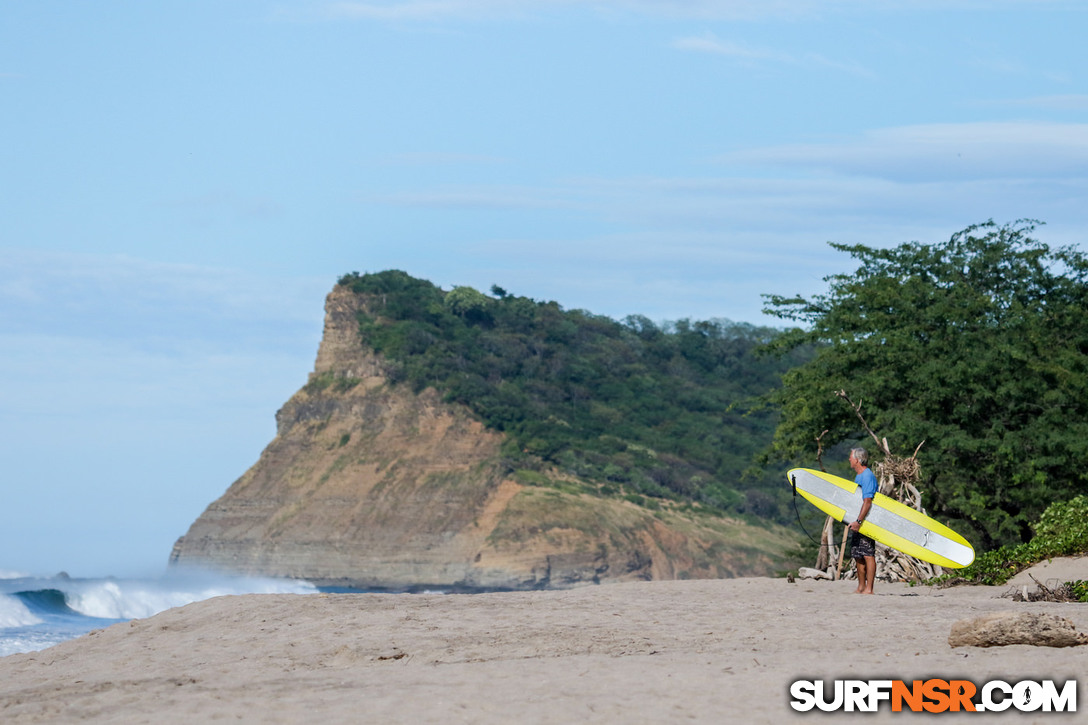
(709, 43)
(748, 55)
(934, 152)
(483, 197)
(436, 10)
(140, 303)
(438, 158)
(427, 10)
(821, 193)
(396, 11)
(705, 247)
(1062, 102)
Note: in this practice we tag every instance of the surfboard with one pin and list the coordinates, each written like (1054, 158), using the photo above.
(889, 521)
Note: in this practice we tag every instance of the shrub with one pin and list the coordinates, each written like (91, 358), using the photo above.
(1062, 530)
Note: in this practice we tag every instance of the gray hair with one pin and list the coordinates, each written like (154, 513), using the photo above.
(860, 455)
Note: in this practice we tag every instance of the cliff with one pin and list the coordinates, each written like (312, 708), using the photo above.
(369, 484)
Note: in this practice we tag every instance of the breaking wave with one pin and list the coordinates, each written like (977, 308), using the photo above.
(39, 612)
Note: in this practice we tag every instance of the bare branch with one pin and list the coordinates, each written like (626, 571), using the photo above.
(883, 446)
(820, 451)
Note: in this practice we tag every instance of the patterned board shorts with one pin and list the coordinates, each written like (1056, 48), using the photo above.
(863, 546)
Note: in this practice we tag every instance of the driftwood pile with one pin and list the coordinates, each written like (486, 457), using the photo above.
(897, 477)
(1060, 592)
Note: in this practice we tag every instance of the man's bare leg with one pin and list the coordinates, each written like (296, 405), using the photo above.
(870, 575)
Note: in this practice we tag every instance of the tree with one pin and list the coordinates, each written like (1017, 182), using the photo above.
(469, 303)
(978, 345)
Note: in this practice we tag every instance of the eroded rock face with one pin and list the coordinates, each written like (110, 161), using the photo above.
(369, 484)
(999, 629)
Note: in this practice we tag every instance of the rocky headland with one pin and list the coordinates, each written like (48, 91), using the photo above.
(370, 484)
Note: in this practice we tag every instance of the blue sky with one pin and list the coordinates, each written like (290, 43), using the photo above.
(182, 182)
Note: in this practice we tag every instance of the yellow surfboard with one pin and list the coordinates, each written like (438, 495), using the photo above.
(889, 522)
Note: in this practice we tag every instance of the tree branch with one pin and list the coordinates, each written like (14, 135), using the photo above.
(820, 451)
(882, 445)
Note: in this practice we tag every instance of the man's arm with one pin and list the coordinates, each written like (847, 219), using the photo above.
(866, 504)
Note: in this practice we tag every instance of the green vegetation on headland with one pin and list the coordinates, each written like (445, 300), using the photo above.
(977, 346)
(651, 412)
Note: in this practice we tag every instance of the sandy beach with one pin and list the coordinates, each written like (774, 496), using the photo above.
(649, 652)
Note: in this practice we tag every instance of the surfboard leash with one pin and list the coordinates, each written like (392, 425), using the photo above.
(793, 482)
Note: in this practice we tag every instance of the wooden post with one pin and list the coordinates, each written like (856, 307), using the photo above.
(842, 552)
(822, 555)
(829, 541)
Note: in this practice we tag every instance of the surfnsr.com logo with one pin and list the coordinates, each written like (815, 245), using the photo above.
(933, 695)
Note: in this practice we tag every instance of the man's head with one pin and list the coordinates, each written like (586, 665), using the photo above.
(860, 455)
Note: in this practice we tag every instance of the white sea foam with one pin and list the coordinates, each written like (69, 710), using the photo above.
(14, 613)
(30, 641)
(62, 608)
(137, 599)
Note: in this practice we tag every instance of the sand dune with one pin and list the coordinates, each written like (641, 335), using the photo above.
(653, 652)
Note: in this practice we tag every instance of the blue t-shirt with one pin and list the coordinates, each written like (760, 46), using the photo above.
(867, 480)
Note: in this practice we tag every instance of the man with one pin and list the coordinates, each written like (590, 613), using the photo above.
(864, 549)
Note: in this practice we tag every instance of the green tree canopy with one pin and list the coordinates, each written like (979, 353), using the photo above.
(469, 303)
(978, 345)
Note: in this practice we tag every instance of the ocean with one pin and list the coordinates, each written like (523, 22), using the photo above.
(37, 612)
